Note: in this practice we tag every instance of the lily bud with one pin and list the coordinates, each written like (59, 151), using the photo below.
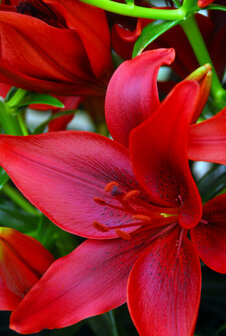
(23, 260)
(203, 75)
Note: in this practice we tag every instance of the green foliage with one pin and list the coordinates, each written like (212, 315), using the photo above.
(36, 98)
(150, 33)
(212, 183)
(3, 177)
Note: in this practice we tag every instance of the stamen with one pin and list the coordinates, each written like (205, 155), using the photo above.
(110, 186)
(131, 194)
(99, 200)
(100, 227)
(123, 235)
(142, 218)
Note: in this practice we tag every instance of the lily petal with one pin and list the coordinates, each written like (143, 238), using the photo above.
(209, 236)
(23, 260)
(164, 288)
(62, 172)
(132, 93)
(207, 140)
(8, 299)
(90, 23)
(89, 281)
(158, 150)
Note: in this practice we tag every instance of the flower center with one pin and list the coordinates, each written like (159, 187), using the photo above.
(141, 212)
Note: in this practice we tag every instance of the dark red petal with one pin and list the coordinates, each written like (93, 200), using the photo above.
(164, 288)
(23, 260)
(89, 281)
(207, 140)
(158, 150)
(132, 93)
(11, 76)
(123, 39)
(20, 46)
(60, 124)
(209, 236)
(62, 172)
(90, 24)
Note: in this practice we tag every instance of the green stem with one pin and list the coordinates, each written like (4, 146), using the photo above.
(19, 199)
(17, 97)
(195, 38)
(112, 323)
(8, 121)
(22, 124)
(136, 11)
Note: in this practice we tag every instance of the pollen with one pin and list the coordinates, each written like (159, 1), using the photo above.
(122, 234)
(131, 194)
(110, 186)
(100, 227)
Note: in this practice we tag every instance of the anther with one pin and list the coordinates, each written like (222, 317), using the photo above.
(110, 186)
(131, 194)
(99, 200)
(142, 218)
(100, 227)
(122, 234)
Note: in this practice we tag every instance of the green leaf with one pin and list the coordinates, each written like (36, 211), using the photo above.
(217, 7)
(3, 177)
(10, 93)
(103, 325)
(43, 125)
(212, 183)
(36, 98)
(150, 33)
(12, 216)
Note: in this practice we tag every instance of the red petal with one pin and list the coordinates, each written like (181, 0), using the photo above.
(204, 3)
(159, 154)
(132, 94)
(89, 281)
(11, 76)
(8, 300)
(59, 124)
(164, 288)
(90, 24)
(209, 236)
(23, 260)
(62, 172)
(20, 47)
(207, 140)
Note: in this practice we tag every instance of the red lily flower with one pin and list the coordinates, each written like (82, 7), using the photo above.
(124, 38)
(132, 91)
(95, 187)
(23, 260)
(72, 56)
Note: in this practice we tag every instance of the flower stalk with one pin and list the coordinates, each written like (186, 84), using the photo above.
(19, 199)
(195, 38)
(137, 11)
